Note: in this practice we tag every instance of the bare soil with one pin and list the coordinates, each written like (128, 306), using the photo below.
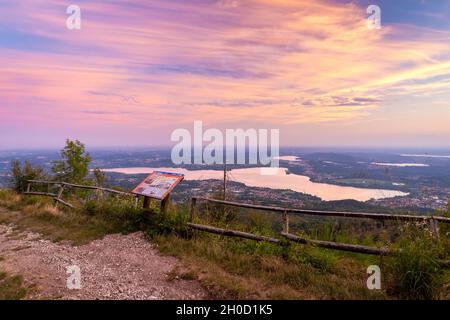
(115, 267)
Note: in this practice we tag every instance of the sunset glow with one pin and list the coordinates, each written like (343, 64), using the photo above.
(139, 69)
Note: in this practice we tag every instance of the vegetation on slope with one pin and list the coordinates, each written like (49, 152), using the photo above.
(239, 268)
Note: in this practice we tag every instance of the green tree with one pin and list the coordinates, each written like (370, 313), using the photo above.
(74, 166)
(21, 175)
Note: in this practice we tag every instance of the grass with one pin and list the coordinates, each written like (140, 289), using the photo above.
(176, 273)
(232, 268)
(80, 226)
(11, 287)
(244, 269)
(416, 272)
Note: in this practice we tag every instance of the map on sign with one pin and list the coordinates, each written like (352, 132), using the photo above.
(158, 184)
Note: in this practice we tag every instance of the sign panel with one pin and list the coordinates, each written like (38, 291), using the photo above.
(158, 184)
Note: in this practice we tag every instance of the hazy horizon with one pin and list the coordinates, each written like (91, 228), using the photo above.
(283, 149)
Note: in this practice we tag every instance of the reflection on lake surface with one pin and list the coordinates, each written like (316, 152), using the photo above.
(425, 155)
(401, 164)
(289, 158)
(252, 177)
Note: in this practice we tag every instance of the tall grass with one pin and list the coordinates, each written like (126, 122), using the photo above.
(416, 273)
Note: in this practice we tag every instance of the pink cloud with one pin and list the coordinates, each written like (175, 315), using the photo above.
(150, 66)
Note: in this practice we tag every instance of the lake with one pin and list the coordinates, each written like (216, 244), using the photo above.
(252, 177)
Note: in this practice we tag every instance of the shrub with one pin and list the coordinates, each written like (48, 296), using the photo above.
(21, 175)
(416, 272)
(171, 222)
(120, 215)
(90, 207)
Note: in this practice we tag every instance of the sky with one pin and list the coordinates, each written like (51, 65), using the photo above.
(139, 69)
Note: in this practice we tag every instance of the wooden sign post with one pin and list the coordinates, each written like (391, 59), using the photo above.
(147, 202)
(158, 185)
(165, 203)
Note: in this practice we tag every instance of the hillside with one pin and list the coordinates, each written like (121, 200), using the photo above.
(36, 234)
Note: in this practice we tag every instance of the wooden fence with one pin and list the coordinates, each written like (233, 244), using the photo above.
(64, 185)
(432, 222)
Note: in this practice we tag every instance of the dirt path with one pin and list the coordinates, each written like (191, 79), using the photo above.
(115, 267)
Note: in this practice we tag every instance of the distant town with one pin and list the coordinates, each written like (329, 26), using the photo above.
(424, 177)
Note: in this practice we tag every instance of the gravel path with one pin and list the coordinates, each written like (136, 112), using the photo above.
(115, 267)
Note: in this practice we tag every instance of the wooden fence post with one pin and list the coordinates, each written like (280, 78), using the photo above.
(285, 222)
(193, 207)
(98, 195)
(434, 227)
(60, 192)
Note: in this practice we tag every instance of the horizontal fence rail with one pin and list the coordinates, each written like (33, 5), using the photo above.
(339, 246)
(232, 233)
(63, 185)
(366, 215)
(431, 220)
(79, 186)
